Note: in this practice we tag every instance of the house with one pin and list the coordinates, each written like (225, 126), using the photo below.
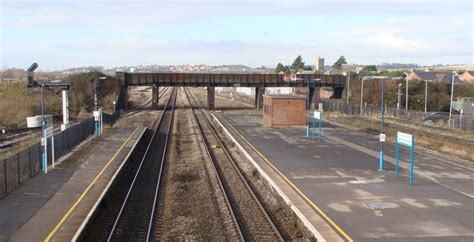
(424, 76)
(431, 76)
(467, 76)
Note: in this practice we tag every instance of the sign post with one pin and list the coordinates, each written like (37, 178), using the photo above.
(96, 121)
(318, 115)
(47, 133)
(381, 160)
(406, 140)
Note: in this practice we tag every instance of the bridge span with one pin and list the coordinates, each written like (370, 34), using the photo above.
(211, 80)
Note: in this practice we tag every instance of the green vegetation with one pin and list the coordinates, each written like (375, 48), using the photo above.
(369, 68)
(298, 64)
(338, 64)
(18, 101)
(281, 68)
(438, 93)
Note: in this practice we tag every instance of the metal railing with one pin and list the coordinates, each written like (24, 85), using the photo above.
(465, 123)
(20, 167)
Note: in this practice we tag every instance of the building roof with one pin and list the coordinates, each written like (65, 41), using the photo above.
(428, 76)
(284, 96)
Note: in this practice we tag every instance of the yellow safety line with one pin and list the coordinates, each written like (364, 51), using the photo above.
(73, 207)
(315, 207)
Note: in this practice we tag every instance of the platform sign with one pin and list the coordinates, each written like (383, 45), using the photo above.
(47, 133)
(382, 137)
(318, 115)
(408, 141)
(405, 139)
(96, 115)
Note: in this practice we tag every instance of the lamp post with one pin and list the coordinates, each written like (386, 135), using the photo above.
(362, 95)
(382, 111)
(308, 111)
(426, 95)
(406, 96)
(382, 135)
(452, 94)
(45, 140)
(96, 116)
(398, 97)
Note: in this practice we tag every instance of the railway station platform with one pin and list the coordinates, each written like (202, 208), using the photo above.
(340, 178)
(53, 206)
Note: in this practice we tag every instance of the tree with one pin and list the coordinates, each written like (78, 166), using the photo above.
(369, 68)
(396, 74)
(298, 64)
(279, 68)
(338, 64)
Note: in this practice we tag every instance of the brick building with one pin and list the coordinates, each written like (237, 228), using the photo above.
(284, 110)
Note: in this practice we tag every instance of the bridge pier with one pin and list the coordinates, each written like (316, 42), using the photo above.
(124, 94)
(259, 91)
(155, 96)
(338, 92)
(313, 97)
(309, 98)
(210, 97)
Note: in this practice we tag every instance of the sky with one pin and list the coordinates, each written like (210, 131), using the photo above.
(59, 34)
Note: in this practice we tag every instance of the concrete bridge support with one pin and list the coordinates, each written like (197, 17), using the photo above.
(313, 96)
(155, 96)
(210, 97)
(259, 91)
(338, 92)
(124, 93)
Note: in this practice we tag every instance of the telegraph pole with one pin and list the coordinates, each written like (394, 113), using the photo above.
(399, 94)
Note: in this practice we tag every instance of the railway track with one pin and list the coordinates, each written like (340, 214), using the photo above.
(252, 220)
(134, 221)
(147, 105)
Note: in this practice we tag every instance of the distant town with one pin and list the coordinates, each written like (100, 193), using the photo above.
(19, 73)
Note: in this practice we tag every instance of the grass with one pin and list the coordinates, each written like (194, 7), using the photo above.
(18, 102)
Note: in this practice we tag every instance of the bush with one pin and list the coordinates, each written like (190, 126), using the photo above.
(18, 102)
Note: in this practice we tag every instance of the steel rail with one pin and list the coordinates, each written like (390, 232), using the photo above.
(158, 180)
(145, 156)
(208, 153)
(146, 105)
(239, 172)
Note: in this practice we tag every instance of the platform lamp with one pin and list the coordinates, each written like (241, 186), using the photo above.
(32, 83)
(452, 94)
(382, 111)
(96, 110)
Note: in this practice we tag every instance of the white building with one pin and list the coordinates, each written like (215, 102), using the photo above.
(319, 65)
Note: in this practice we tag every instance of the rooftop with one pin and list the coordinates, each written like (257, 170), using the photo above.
(285, 96)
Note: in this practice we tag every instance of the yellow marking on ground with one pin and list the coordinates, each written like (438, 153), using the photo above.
(308, 200)
(83, 195)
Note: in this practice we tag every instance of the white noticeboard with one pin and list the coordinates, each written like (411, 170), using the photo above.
(382, 137)
(48, 132)
(96, 115)
(405, 139)
(317, 115)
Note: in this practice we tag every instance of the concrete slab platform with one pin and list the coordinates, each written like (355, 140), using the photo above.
(55, 204)
(341, 176)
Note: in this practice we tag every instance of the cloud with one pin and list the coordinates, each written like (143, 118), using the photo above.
(391, 42)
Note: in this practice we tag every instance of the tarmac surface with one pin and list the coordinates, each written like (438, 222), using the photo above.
(33, 210)
(341, 176)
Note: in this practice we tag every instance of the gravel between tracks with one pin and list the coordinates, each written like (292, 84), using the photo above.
(282, 216)
(193, 208)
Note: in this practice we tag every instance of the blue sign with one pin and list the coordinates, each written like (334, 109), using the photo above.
(318, 115)
(408, 141)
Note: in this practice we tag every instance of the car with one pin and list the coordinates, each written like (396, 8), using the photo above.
(436, 117)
